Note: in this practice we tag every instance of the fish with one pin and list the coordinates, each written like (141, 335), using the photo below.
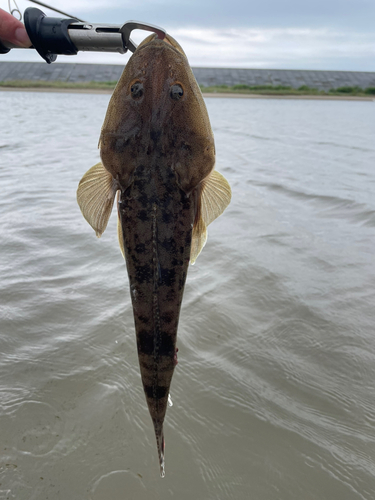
(157, 155)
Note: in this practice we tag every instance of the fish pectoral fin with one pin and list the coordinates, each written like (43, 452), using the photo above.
(198, 238)
(120, 237)
(215, 196)
(119, 229)
(95, 195)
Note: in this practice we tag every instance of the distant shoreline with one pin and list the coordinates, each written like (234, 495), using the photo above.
(227, 95)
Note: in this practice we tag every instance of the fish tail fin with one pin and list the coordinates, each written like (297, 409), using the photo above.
(159, 433)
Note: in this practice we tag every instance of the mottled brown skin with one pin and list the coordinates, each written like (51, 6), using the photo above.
(157, 222)
(179, 131)
(159, 150)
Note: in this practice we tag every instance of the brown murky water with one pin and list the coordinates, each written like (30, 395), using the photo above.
(274, 393)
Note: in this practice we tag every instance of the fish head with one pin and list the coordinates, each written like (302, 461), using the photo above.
(157, 113)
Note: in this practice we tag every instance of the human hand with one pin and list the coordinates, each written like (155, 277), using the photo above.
(12, 30)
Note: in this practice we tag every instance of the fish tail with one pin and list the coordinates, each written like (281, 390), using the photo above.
(159, 433)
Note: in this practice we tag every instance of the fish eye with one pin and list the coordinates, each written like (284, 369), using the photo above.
(136, 90)
(176, 92)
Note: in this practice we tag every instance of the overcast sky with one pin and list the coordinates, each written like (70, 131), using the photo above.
(277, 34)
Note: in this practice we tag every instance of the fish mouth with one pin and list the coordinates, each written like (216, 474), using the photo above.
(168, 42)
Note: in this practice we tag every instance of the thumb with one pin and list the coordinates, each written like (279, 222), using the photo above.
(12, 30)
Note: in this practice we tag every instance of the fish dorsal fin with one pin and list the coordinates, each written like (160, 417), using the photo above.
(95, 195)
(215, 196)
(119, 228)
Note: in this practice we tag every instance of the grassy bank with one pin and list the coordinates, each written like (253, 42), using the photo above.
(220, 89)
(286, 90)
(33, 84)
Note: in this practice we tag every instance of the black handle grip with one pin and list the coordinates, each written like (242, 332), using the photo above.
(49, 35)
(3, 49)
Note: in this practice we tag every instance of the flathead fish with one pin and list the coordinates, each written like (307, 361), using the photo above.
(158, 154)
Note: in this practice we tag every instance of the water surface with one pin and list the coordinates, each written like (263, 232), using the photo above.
(274, 391)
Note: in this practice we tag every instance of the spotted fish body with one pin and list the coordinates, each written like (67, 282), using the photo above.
(158, 153)
(157, 221)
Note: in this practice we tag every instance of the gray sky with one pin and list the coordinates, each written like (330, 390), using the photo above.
(279, 34)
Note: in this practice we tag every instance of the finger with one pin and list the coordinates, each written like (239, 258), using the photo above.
(12, 30)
